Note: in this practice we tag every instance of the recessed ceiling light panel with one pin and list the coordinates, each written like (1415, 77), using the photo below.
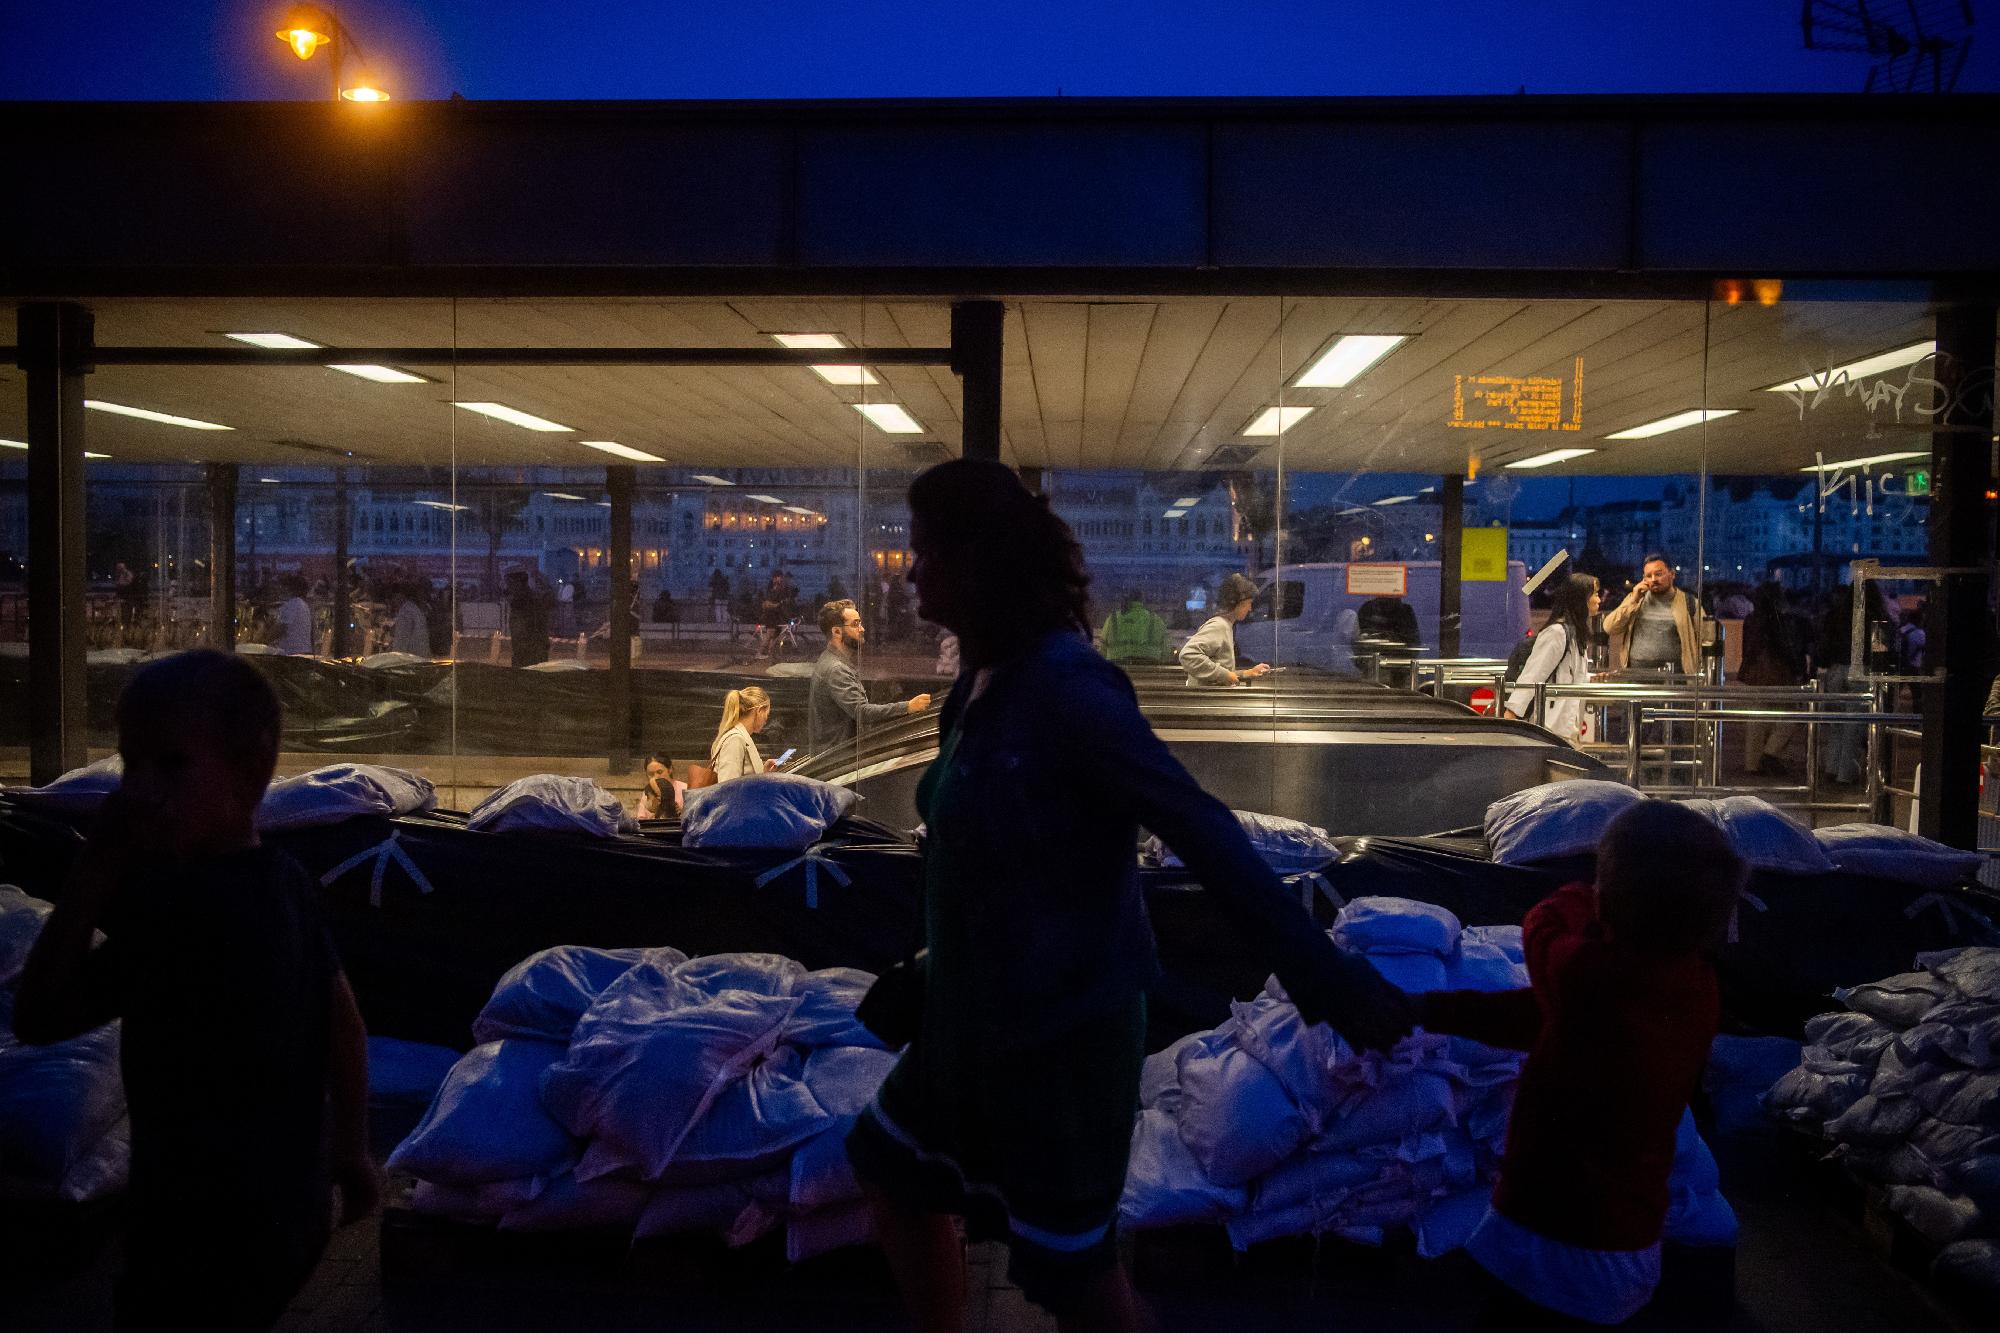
(514, 416)
(1351, 354)
(617, 450)
(272, 340)
(1276, 420)
(144, 414)
(1854, 370)
(380, 374)
(890, 418)
(1552, 456)
(1678, 421)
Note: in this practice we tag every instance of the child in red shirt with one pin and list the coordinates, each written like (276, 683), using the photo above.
(1617, 1020)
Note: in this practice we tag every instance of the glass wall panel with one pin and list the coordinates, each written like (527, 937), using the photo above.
(1135, 418)
(1822, 403)
(14, 711)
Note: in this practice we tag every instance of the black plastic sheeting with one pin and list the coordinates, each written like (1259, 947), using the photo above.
(471, 707)
(423, 963)
(1797, 938)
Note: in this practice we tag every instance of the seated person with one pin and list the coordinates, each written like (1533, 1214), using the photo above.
(663, 796)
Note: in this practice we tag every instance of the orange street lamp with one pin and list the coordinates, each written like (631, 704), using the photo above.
(307, 28)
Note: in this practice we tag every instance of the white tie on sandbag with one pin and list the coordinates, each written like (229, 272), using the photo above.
(1962, 921)
(813, 859)
(1743, 896)
(382, 853)
(1310, 882)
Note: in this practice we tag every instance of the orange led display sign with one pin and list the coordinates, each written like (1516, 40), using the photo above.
(1517, 402)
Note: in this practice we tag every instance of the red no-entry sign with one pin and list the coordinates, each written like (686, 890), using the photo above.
(1482, 700)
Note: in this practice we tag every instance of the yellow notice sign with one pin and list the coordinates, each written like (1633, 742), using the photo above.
(1483, 556)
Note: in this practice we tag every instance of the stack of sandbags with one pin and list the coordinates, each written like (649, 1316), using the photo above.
(656, 1094)
(63, 1131)
(1906, 1085)
(1274, 1128)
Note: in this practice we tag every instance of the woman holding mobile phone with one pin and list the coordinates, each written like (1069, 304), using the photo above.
(734, 753)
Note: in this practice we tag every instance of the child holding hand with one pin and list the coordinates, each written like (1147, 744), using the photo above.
(1617, 1020)
(244, 1055)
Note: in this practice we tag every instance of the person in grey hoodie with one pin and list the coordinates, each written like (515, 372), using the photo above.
(838, 706)
(1209, 655)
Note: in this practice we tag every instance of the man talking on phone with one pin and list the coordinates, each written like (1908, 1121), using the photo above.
(1657, 626)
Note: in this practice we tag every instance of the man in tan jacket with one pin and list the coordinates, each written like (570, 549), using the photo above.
(1658, 626)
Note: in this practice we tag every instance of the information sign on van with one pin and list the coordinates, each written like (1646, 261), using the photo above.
(1517, 402)
(1378, 580)
(1483, 555)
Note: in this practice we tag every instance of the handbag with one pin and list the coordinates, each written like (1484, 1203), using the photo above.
(893, 1008)
(700, 775)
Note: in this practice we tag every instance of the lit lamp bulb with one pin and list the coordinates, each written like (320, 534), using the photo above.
(306, 30)
(303, 41)
(364, 89)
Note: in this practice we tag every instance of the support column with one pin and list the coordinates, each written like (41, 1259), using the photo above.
(343, 606)
(55, 341)
(977, 341)
(1960, 537)
(222, 479)
(619, 483)
(1451, 545)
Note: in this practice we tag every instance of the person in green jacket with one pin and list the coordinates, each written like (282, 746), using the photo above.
(1133, 633)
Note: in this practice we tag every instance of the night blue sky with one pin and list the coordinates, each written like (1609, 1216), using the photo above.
(224, 49)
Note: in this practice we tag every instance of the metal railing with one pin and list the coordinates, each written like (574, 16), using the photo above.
(1668, 735)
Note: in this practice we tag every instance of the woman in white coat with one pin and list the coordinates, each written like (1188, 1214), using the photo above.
(1561, 656)
(734, 753)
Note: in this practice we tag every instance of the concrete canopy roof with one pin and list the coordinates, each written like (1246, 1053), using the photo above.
(1162, 383)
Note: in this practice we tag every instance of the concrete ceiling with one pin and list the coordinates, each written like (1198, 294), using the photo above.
(1159, 384)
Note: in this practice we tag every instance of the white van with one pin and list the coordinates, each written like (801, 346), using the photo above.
(1306, 615)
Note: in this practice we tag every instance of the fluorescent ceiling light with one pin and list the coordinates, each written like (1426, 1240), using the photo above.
(1678, 421)
(1277, 420)
(889, 418)
(1187, 502)
(1870, 461)
(1175, 513)
(604, 504)
(380, 374)
(513, 416)
(440, 504)
(272, 340)
(767, 499)
(831, 374)
(617, 450)
(1552, 456)
(1396, 500)
(800, 509)
(22, 444)
(164, 418)
(712, 479)
(269, 481)
(561, 495)
(1854, 370)
(846, 374)
(1343, 362)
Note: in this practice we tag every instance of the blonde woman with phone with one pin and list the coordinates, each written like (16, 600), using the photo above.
(734, 753)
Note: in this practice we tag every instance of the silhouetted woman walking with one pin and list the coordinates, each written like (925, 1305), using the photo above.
(1013, 1106)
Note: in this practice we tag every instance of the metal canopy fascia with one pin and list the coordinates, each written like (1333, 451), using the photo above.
(1632, 196)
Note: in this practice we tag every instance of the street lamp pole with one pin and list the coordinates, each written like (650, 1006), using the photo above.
(307, 28)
